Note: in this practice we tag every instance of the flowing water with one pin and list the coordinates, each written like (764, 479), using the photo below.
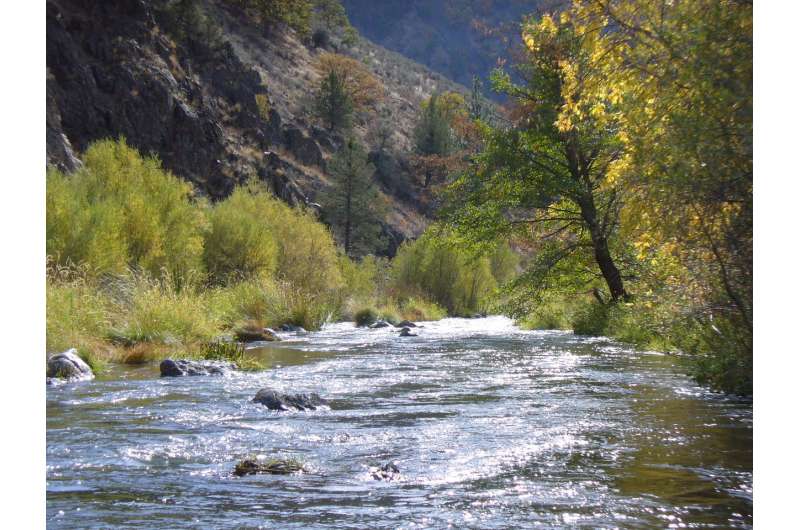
(491, 427)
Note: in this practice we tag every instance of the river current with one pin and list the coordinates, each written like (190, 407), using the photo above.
(491, 427)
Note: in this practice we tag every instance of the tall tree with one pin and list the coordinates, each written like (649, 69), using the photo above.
(433, 134)
(346, 86)
(551, 177)
(333, 103)
(354, 207)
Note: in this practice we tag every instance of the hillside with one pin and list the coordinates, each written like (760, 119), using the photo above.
(122, 69)
(458, 38)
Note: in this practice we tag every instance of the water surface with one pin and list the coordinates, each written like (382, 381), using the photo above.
(491, 426)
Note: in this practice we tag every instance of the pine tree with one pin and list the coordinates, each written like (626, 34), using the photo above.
(477, 103)
(333, 102)
(433, 134)
(354, 208)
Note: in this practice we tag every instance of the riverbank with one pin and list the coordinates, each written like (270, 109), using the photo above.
(134, 319)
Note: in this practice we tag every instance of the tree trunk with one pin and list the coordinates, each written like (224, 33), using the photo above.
(602, 254)
(348, 216)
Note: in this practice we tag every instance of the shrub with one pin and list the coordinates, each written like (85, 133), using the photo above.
(262, 103)
(240, 241)
(366, 316)
(419, 309)
(591, 319)
(452, 276)
(550, 314)
(123, 210)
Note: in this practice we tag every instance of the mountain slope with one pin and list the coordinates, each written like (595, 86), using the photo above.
(459, 38)
(192, 97)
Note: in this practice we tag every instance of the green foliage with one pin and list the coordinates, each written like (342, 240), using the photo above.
(294, 13)
(159, 311)
(232, 352)
(419, 309)
(366, 316)
(76, 313)
(262, 102)
(361, 277)
(122, 210)
(433, 134)
(330, 16)
(188, 22)
(240, 242)
(453, 275)
(353, 204)
(333, 103)
(591, 319)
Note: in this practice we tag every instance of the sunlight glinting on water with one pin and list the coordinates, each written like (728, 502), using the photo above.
(491, 426)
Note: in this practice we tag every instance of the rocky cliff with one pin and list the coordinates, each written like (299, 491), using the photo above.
(221, 99)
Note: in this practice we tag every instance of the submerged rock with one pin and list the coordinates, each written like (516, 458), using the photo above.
(278, 401)
(254, 334)
(406, 324)
(273, 466)
(186, 367)
(380, 324)
(388, 471)
(406, 332)
(292, 327)
(68, 366)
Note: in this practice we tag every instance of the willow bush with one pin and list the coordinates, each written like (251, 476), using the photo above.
(123, 210)
(439, 268)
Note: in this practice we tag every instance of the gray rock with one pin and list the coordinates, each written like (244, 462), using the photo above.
(406, 332)
(186, 367)
(67, 365)
(380, 324)
(255, 466)
(278, 401)
(388, 471)
(256, 335)
(305, 149)
(406, 324)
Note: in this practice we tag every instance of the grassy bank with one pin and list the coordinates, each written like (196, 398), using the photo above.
(139, 268)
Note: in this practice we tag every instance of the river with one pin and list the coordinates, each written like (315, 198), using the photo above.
(491, 427)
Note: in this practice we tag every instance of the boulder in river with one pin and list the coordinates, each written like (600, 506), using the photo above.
(406, 332)
(380, 324)
(187, 367)
(406, 324)
(272, 466)
(292, 328)
(388, 471)
(256, 334)
(69, 366)
(278, 401)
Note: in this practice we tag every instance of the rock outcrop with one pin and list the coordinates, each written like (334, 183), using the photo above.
(186, 367)
(220, 102)
(275, 466)
(388, 471)
(68, 366)
(278, 401)
(253, 334)
(406, 332)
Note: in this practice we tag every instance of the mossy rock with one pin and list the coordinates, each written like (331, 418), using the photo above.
(272, 466)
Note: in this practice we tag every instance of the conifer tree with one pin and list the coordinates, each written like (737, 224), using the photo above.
(353, 208)
(333, 102)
